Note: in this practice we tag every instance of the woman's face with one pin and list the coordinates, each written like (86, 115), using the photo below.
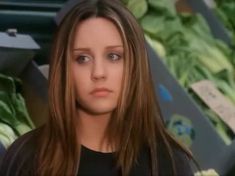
(97, 65)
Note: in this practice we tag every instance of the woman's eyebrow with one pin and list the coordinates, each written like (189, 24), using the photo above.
(107, 47)
(81, 49)
(114, 46)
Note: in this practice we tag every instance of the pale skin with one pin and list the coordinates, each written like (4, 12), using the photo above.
(97, 63)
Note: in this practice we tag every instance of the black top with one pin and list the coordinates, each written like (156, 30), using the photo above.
(20, 157)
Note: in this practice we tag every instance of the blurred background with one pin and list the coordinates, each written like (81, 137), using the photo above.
(191, 47)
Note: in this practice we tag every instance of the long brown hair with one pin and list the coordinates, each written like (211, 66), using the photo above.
(136, 122)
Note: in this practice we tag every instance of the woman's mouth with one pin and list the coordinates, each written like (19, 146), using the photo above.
(100, 92)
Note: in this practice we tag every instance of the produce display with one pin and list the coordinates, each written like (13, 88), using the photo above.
(209, 172)
(225, 10)
(14, 117)
(190, 52)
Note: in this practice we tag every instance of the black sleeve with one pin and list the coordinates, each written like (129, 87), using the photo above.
(19, 157)
(182, 163)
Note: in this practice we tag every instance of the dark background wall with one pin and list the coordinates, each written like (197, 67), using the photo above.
(32, 17)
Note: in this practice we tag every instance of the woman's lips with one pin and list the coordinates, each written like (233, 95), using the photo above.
(100, 92)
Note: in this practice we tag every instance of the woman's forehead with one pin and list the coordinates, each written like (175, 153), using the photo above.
(97, 31)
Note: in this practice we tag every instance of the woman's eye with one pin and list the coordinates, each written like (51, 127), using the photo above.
(82, 59)
(114, 57)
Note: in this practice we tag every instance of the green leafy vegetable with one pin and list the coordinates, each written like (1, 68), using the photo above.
(191, 52)
(137, 7)
(13, 111)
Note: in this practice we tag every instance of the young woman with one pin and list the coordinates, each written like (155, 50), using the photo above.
(104, 117)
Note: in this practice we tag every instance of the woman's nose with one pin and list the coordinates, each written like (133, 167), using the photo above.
(98, 70)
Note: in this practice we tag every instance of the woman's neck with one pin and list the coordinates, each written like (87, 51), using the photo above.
(91, 131)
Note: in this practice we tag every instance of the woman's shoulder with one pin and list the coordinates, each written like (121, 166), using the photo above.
(20, 154)
(182, 161)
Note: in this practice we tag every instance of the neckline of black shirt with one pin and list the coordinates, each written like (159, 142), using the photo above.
(86, 149)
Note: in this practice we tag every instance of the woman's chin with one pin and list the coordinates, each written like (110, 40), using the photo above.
(99, 109)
